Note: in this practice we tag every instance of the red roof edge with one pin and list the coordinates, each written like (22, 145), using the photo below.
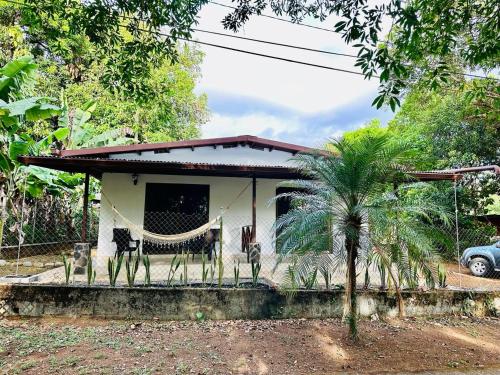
(242, 139)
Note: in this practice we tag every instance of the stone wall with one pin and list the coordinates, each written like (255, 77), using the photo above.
(178, 304)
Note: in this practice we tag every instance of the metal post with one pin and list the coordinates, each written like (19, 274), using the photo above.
(254, 208)
(85, 208)
(20, 229)
(34, 223)
(457, 232)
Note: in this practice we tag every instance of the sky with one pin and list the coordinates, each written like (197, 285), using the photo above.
(278, 100)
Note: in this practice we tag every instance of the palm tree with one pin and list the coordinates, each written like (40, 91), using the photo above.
(347, 194)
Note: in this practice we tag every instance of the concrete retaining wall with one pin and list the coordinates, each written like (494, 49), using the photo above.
(178, 304)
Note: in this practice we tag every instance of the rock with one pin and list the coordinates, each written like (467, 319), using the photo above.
(27, 264)
(3, 262)
(38, 264)
(58, 264)
(48, 265)
(374, 317)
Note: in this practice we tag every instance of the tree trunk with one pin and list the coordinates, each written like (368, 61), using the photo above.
(3, 214)
(399, 296)
(350, 311)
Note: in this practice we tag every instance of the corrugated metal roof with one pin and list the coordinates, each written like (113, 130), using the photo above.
(242, 139)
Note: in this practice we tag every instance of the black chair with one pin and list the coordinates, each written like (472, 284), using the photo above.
(124, 242)
(212, 237)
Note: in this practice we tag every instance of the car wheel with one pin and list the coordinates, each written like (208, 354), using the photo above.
(479, 267)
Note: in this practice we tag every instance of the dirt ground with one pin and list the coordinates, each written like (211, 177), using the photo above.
(461, 277)
(76, 346)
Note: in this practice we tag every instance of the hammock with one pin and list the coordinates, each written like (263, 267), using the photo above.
(167, 239)
(171, 239)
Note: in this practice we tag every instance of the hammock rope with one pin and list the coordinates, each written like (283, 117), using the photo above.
(171, 239)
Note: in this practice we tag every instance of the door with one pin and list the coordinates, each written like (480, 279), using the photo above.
(173, 209)
(283, 205)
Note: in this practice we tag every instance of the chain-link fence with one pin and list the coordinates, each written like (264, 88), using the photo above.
(48, 248)
(46, 236)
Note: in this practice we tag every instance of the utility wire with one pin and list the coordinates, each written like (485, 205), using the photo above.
(267, 42)
(259, 54)
(238, 49)
(275, 43)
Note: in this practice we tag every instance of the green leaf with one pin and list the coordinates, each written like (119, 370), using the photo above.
(90, 106)
(5, 163)
(61, 133)
(18, 148)
(14, 67)
(392, 103)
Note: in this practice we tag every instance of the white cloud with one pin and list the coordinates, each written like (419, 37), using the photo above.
(298, 104)
(285, 128)
(255, 124)
(305, 89)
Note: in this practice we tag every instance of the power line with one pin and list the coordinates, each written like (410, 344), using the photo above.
(275, 43)
(260, 54)
(267, 42)
(279, 19)
(241, 50)
(317, 28)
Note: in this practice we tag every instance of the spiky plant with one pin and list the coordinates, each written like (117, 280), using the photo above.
(91, 274)
(131, 265)
(114, 269)
(333, 209)
(327, 276)
(310, 281)
(204, 269)
(237, 274)
(256, 266)
(441, 270)
(212, 274)
(67, 269)
(174, 266)
(405, 238)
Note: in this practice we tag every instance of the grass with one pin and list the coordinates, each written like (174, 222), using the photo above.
(30, 340)
(177, 348)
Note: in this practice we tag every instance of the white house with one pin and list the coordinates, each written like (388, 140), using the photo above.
(175, 187)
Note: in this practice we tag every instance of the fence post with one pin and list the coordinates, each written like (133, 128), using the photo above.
(20, 229)
(457, 232)
(85, 208)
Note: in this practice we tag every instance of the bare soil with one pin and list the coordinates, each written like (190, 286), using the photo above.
(461, 277)
(80, 346)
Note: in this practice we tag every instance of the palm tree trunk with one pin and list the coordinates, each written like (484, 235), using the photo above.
(399, 296)
(350, 311)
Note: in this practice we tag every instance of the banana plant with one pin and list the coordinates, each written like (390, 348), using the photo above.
(15, 110)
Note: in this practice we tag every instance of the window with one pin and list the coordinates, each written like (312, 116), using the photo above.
(172, 209)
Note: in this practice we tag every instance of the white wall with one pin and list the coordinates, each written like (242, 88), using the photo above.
(240, 155)
(129, 200)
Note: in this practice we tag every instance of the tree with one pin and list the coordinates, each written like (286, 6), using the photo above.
(423, 45)
(425, 40)
(15, 109)
(161, 105)
(446, 131)
(347, 196)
